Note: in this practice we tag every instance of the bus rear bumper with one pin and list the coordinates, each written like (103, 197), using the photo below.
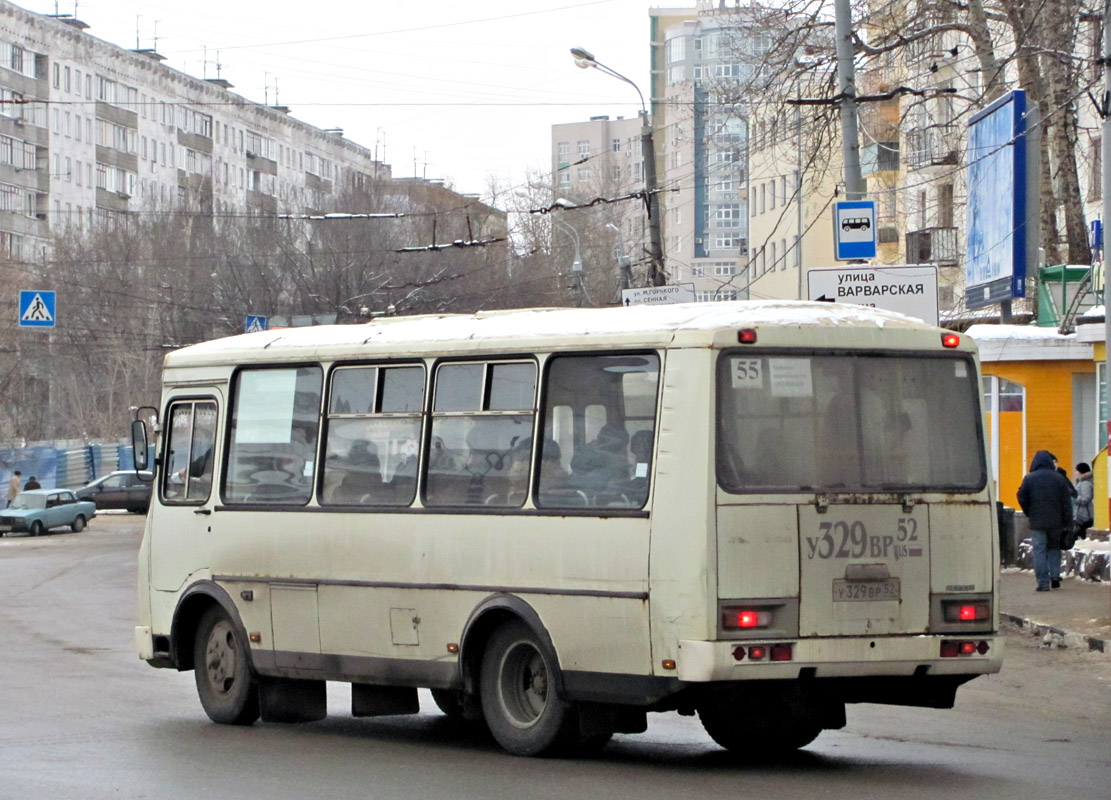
(699, 661)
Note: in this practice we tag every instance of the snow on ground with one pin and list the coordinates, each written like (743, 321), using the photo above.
(1089, 559)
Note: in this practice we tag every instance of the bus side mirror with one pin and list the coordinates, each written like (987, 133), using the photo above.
(139, 444)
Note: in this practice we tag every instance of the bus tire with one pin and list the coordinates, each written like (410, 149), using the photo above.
(225, 685)
(763, 723)
(520, 699)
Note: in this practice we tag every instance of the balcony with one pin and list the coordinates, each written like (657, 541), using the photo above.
(933, 146)
(879, 157)
(932, 246)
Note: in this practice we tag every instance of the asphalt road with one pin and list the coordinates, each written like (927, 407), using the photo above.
(81, 717)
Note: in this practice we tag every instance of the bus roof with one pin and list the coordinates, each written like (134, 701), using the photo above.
(680, 324)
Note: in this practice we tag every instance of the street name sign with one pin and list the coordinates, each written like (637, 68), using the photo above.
(37, 308)
(854, 229)
(910, 290)
(657, 295)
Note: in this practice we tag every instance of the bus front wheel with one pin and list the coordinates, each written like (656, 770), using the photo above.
(520, 701)
(225, 685)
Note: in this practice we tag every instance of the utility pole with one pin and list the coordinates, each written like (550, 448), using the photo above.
(657, 276)
(1106, 178)
(846, 84)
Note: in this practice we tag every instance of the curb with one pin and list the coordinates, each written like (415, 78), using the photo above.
(1079, 641)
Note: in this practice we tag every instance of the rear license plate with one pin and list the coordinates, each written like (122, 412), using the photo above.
(856, 591)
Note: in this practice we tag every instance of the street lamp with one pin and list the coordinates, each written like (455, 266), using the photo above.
(577, 264)
(656, 274)
(624, 263)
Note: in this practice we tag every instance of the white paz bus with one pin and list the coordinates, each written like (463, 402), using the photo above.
(560, 520)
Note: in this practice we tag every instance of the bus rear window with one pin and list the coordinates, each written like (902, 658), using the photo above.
(833, 423)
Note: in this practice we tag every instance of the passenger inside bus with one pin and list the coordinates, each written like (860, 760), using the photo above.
(641, 447)
(362, 477)
(604, 463)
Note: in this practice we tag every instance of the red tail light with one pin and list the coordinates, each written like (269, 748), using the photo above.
(781, 652)
(734, 618)
(966, 610)
(952, 648)
(747, 336)
(950, 340)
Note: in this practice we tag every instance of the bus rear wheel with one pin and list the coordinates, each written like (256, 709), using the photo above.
(520, 701)
(225, 685)
(763, 722)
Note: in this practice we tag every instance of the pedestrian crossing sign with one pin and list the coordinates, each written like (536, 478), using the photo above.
(37, 308)
(254, 323)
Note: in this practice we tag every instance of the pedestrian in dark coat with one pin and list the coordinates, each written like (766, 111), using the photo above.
(33, 483)
(1046, 499)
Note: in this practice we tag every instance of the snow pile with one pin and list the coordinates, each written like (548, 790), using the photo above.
(1090, 560)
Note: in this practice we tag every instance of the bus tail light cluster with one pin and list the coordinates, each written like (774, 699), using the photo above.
(954, 648)
(966, 610)
(734, 618)
(781, 651)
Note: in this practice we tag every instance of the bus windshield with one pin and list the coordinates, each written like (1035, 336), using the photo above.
(842, 423)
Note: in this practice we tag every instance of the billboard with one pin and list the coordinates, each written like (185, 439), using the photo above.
(995, 267)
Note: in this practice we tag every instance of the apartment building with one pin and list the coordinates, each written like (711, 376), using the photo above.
(89, 129)
(795, 175)
(704, 58)
(708, 65)
(603, 157)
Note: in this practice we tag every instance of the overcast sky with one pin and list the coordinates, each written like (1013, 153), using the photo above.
(464, 89)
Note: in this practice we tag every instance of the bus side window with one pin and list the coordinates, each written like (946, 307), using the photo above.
(272, 448)
(374, 424)
(481, 434)
(597, 408)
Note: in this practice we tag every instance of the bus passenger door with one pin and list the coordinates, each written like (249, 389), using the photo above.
(181, 530)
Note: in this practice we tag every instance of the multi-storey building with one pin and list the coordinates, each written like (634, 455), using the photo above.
(603, 157)
(705, 63)
(791, 195)
(88, 129)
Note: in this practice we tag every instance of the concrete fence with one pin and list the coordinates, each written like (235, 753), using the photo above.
(64, 464)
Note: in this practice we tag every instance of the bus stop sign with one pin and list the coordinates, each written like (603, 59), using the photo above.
(854, 229)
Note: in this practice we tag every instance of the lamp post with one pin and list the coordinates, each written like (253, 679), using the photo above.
(577, 264)
(623, 261)
(657, 276)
